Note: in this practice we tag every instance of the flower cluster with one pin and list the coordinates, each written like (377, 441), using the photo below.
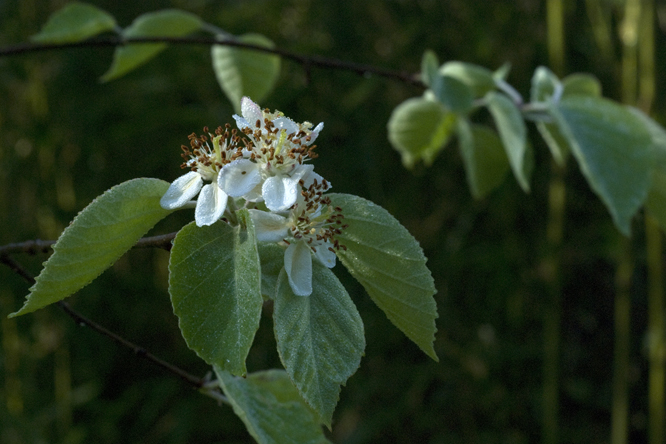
(261, 165)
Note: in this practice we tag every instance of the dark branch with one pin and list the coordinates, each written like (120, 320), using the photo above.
(162, 241)
(306, 61)
(85, 322)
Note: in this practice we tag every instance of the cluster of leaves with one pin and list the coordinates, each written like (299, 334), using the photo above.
(220, 275)
(619, 150)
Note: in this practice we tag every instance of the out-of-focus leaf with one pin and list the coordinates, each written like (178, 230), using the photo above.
(75, 22)
(484, 158)
(245, 72)
(419, 129)
(543, 84)
(271, 407)
(513, 133)
(429, 67)
(319, 337)
(614, 150)
(454, 94)
(479, 79)
(389, 263)
(96, 238)
(583, 84)
(215, 287)
(166, 23)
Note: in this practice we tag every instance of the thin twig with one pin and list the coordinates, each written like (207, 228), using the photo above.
(35, 246)
(306, 61)
(199, 383)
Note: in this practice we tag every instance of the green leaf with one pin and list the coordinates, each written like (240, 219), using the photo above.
(245, 72)
(454, 94)
(429, 67)
(513, 133)
(556, 142)
(583, 84)
(271, 408)
(613, 148)
(96, 238)
(544, 83)
(419, 129)
(75, 22)
(319, 338)
(476, 77)
(272, 262)
(215, 287)
(166, 23)
(486, 164)
(389, 263)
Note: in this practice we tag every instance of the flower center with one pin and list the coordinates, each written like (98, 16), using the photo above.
(207, 160)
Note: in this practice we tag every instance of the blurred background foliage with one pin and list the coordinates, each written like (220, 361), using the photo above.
(65, 138)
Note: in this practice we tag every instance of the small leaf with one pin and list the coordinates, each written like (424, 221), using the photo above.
(454, 94)
(613, 148)
(544, 83)
(556, 142)
(75, 22)
(166, 23)
(389, 263)
(583, 84)
(429, 67)
(419, 129)
(484, 158)
(271, 408)
(246, 72)
(512, 131)
(476, 77)
(319, 338)
(215, 287)
(96, 238)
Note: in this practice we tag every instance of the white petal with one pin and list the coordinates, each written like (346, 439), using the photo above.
(298, 265)
(239, 177)
(326, 256)
(286, 124)
(314, 134)
(241, 123)
(251, 112)
(279, 192)
(211, 204)
(182, 190)
(301, 171)
(269, 227)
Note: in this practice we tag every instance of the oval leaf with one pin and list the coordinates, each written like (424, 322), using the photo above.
(75, 22)
(512, 131)
(96, 238)
(167, 23)
(613, 148)
(271, 408)
(419, 129)
(245, 72)
(484, 158)
(544, 82)
(454, 94)
(478, 78)
(429, 67)
(389, 263)
(583, 84)
(319, 338)
(215, 287)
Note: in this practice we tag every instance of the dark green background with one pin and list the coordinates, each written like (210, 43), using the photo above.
(65, 138)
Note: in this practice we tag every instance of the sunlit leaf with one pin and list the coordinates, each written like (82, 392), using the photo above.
(613, 148)
(215, 287)
(271, 408)
(513, 133)
(166, 23)
(419, 129)
(391, 266)
(484, 158)
(319, 337)
(476, 77)
(96, 238)
(75, 22)
(245, 72)
(429, 67)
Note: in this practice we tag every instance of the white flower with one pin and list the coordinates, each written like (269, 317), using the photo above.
(306, 231)
(279, 148)
(205, 163)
